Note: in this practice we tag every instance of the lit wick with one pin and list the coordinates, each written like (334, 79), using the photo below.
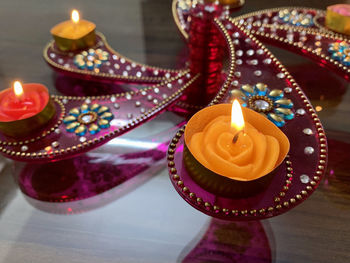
(18, 90)
(237, 121)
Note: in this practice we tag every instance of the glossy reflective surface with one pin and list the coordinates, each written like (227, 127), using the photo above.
(146, 220)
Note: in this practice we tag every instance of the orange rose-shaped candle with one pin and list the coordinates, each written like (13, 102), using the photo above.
(242, 147)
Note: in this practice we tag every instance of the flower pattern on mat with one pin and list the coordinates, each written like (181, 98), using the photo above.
(91, 59)
(340, 51)
(86, 118)
(271, 103)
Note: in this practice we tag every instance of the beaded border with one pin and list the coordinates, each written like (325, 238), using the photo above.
(174, 10)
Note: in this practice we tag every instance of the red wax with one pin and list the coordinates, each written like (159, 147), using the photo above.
(33, 100)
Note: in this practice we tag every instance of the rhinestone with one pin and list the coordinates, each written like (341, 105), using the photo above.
(125, 73)
(236, 41)
(307, 131)
(60, 60)
(115, 57)
(239, 53)
(228, 26)
(180, 81)
(250, 52)
(116, 66)
(239, 61)
(304, 178)
(24, 148)
(144, 93)
(87, 101)
(113, 99)
(57, 131)
(122, 60)
(169, 85)
(280, 75)
(258, 73)
(164, 96)
(133, 65)
(309, 150)
(238, 74)
(149, 97)
(267, 61)
(66, 65)
(142, 110)
(236, 34)
(261, 104)
(247, 40)
(52, 55)
(235, 83)
(82, 139)
(287, 90)
(156, 72)
(209, 8)
(155, 101)
(110, 71)
(253, 62)
(143, 69)
(300, 111)
(137, 104)
(116, 105)
(128, 68)
(318, 37)
(129, 115)
(167, 75)
(128, 96)
(55, 144)
(156, 90)
(260, 51)
(87, 118)
(138, 74)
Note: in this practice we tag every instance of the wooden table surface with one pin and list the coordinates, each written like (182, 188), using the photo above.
(150, 222)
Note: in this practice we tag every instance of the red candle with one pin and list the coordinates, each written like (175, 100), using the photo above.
(22, 102)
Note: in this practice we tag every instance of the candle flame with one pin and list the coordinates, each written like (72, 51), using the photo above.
(237, 120)
(17, 87)
(75, 16)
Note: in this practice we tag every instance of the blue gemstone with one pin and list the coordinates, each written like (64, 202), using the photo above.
(104, 126)
(277, 123)
(337, 56)
(91, 67)
(95, 131)
(289, 116)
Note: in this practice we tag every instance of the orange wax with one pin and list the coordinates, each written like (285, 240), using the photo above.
(70, 30)
(258, 151)
(33, 100)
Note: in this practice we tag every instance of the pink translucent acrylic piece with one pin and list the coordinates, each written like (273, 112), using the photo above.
(129, 110)
(302, 162)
